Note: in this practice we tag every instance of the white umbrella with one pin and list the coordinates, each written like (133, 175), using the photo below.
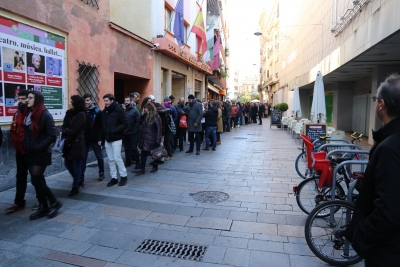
(318, 108)
(255, 101)
(296, 108)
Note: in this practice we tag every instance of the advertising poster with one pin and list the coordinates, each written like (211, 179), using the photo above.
(30, 59)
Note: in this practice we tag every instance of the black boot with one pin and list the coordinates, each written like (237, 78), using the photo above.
(74, 191)
(123, 181)
(54, 209)
(137, 167)
(139, 171)
(42, 211)
(155, 168)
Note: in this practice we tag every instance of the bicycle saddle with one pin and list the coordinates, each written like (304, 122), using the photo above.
(323, 137)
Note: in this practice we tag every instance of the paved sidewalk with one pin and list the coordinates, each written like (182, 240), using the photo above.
(259, 225)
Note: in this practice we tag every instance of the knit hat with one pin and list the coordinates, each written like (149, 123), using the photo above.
(191, 97)
(166, 99)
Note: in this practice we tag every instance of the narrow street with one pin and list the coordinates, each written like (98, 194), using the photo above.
(256, 223)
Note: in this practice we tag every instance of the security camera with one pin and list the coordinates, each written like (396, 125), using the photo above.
(155, 46)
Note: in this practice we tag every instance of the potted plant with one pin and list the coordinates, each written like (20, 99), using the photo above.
(282, 107)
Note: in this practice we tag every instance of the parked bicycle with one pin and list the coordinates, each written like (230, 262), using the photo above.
(303, 160)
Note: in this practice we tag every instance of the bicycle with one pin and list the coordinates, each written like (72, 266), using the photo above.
(303, 160)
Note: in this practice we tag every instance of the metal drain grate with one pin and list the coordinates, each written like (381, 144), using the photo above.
(239, 137)
(171, 249)
(209, 196)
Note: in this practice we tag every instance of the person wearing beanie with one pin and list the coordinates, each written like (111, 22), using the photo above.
(194, 116)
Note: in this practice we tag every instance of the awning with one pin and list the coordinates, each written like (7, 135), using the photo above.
(213, 88)
(215, 81)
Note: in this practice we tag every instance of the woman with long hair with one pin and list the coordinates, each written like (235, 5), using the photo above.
(150, 135)
(74, 145)
(40, 134)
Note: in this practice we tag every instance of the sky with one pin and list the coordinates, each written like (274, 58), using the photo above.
(244, 46)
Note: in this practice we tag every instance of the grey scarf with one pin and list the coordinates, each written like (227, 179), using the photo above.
(27, 120)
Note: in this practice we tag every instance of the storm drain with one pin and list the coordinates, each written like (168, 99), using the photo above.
(171, 249)
(209, 196)
(239, 137)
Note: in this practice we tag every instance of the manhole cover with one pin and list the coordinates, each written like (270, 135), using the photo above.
(171, 249)
(239, 137)
(209, 196)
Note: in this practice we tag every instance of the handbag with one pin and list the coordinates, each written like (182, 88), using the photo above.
(59, 144)
(183, 122)
(158, 153)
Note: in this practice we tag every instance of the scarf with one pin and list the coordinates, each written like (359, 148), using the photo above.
(27, 119)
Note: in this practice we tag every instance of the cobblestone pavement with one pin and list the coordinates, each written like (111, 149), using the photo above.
(259, 225)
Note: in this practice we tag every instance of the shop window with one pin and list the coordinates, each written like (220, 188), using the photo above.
(88, 80)
(94, 3)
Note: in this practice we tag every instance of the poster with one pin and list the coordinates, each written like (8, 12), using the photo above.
(31, 59)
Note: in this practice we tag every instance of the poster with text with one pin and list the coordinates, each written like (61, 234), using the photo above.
(31, 59)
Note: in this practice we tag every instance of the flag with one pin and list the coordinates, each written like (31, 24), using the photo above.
(199, 30)
(215, 63)
(179, 28)
(209, 55)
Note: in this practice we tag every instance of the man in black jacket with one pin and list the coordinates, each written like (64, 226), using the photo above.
(93, 137)
(211, 116)
(375, 227)
(130, 137)
(260, 113)
(114, 125)
(180, 132)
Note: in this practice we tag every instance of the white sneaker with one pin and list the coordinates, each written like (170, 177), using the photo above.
(239, 126)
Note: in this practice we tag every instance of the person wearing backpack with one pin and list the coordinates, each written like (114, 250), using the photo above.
(93, 136)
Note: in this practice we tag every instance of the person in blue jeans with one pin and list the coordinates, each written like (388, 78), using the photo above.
(211, 116)
(93, 136)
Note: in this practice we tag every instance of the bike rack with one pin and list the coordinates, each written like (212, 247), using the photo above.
(331, 139)
(351, 151)
(349, 194)
(339, 145)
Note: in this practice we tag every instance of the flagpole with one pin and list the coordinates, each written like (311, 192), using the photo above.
(169, 24)
(201, 6)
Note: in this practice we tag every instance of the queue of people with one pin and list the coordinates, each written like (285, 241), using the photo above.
(138, 130)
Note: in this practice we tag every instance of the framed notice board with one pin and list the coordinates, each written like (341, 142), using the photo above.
(276, 117)
(315, 130)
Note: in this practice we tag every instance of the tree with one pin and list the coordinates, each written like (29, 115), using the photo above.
(255, 96)
(245, 97)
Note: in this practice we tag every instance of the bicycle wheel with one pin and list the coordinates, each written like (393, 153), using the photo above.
(325, 236)
(301, 165)
(308, 195)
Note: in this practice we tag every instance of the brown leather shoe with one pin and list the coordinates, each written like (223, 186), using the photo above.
(101, 176)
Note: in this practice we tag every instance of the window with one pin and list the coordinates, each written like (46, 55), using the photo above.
(167, 17)
(88, 80)
(236, 88)
(277, 10)
(186, 34)
(267, 73)
(94, 3)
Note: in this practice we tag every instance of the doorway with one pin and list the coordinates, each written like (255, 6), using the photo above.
(361, 111)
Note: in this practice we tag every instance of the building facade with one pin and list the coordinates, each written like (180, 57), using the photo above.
(353, 44)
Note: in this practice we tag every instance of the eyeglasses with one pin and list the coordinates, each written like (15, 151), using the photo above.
(30, 97)
(374, 98)
(21, 98)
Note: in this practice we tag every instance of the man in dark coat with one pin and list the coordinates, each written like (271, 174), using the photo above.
(194, 116)
(130, 138)
(374, 230)
(260, 113)
(93, 136)
(226, 116)
(211, 116)
(114, 125)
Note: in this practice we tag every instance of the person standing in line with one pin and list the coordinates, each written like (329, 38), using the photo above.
(203, 123)
(235, 111)
(227, 114)
(269, 109)
(114, 125)
(73, 130)
(180, 132)
(129, 139)
(93, 136)
(167, 128)
(135, 100)
(194, 116)
(374, 230)
(150, 135)
(260, 112)
(220, 128)
(17, 136)
(211, 116)
(39, 134)
(175, 119)
(253, 112)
